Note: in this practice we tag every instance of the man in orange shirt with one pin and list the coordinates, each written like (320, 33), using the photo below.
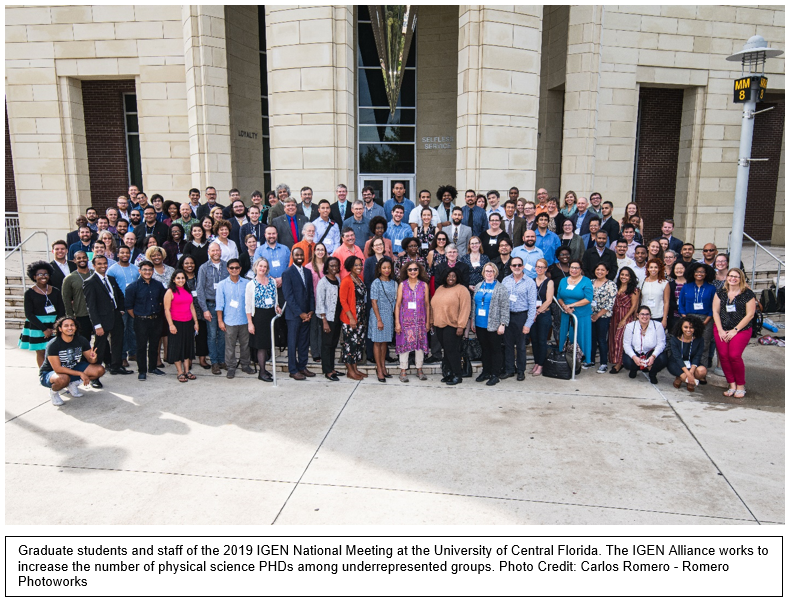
(306, 244)
(347, 249)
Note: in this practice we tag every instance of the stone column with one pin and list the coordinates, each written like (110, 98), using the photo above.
(498, 104)
(208, 115)
(311, 66)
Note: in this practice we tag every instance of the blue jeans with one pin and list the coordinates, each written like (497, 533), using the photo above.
(130, 343)
(215, 336)
(599, 338)
(539, 332)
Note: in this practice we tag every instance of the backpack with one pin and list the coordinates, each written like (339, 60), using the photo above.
(768, 301)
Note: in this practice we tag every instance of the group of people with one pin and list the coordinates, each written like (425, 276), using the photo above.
(154, 281)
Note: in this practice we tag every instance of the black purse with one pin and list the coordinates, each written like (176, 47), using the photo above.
(471, 349)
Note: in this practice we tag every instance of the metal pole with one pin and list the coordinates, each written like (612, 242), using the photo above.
(272, 338)
(753, 271)
(743, 169)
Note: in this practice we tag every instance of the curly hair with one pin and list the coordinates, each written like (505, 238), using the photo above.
(219, 224)
(698, 326)
(378, 220)
(59, 322)
(421, 271)
(709, 272)
(349, 262)
(33, 268)
(450, 189)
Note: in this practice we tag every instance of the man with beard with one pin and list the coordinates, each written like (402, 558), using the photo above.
(85, 244)
(299, 296)
(150, 227)
(458, 233)
(73, 296)
(528, 253)
(135, 218)
(211, 203)
(473, 216)
(600, 253)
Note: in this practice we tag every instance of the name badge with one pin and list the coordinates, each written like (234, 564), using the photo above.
(216, 285)
(687, 364)
(482, 312)
(650, 303)
(397, 242)
(513, 298)
(234, 304)
(412, 306)
(698, 306)
(570, 287)
(493, 241)
(195, 294)
(477, 264)
(276, 263)
(425, 246)
(267, 301)
(50, 308)
(528, 267)
(731, 308)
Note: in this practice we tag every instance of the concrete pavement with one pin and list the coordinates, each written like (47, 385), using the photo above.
(600, 450)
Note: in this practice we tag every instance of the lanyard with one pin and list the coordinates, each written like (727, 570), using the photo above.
(698, 296)
(44, 292)
(484, 292)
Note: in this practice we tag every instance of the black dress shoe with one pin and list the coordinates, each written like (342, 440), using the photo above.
(95, 383)
(142, 376)
(157, 372)
(266, 377)
(493, 381)
(115, 371)
(332, 377)
(454, 381)
(338, 373)
(633, 373)
(521, 376)
(447, 379)
(432, 359)
(506, 375)
(482, 377)
(160, 365)
(386, 375)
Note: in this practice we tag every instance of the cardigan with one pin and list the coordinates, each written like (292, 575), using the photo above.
(326, 299)
(250, 296)
(346, 292)
(498, 309)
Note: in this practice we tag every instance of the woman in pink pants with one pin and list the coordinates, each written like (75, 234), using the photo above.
(733, 309)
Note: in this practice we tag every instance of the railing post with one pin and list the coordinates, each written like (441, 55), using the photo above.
(753, 274)
(272, 338)
(22, 261)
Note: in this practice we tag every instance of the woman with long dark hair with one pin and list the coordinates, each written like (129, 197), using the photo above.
(627, 297)
(188, 265)
(182, 324)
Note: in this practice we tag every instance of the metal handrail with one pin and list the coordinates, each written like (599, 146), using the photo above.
(781, 263)
(272, 338)
(574, 337)
(19, 248)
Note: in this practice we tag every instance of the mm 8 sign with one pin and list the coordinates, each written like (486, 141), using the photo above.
(742, 88)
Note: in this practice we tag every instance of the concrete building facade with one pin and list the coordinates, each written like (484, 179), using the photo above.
(561, 97)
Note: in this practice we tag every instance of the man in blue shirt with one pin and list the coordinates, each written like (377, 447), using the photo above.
(547, 241)
(398, 199)
(84, 245)
(125, 273)
(528, 253)
(276, 254)
(143, 302)
(371, 208)
(327, 231)
(522, 312)
(210, 275)
(397, 231)
(473, 216)
(358, 225)
(232, 320)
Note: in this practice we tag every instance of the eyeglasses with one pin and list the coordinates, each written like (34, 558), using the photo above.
(411, 269)
(516, 266)
(710, 249)
(234, 268)
(42, 274)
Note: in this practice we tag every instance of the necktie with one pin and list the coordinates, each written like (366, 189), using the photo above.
(470, 217)
(109, 291)
(509, 230)
(293, 223)
(456, 234)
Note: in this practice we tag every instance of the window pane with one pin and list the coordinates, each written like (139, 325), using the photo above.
(387, 134)
(378, 186)
(407, 92)
(130, 103)
(363, 13)
(382, 116)
(398, 159)
(132, 123)
(367, 48)
(266, 146)
(411, 56)
(262, 25)
(371, 88)
(135, 171)
(264, 106)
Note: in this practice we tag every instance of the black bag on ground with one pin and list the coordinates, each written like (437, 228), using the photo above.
(578, 357)
(768, 301)
(756, 324)
(780, 300)
(556, 365)
(471, 348)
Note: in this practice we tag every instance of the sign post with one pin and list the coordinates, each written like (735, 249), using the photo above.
(748, 89)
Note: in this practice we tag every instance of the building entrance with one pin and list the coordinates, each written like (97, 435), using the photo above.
(383, 185)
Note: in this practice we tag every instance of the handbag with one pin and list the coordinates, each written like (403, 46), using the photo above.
(467, 367)
(556, 365)
(471, 349)
(576, 358)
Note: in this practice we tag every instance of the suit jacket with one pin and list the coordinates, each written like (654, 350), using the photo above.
(57, 277)
(314, 214)
(298, 294)
(205, 209)
(285, 236)
(591, 259)
(518, 231)
(465, 233)
(160, 232)
(101, 309)
(675, 244)
(335, 212)
(274, 212)
(612, 227)
(480, 224)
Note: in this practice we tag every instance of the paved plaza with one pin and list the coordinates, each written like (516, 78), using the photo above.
(600, 450)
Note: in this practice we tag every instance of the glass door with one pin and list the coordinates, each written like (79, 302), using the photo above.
(383, 185)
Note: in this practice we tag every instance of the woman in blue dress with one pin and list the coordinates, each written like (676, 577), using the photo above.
(575, 294)
(383, 306)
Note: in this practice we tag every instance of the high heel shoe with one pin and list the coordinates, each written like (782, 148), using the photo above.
(380, 379)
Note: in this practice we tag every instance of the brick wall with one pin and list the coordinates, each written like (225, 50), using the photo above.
(763, 179)
(658, 152)
(10, 194)
(106, 139)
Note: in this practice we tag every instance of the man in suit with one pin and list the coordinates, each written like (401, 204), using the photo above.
(610, 224)
(150, 226)
(299, 296)
(211, 202)
(583, 216)
(674, 243)
(513, 225)
(72, 237)
(600, 253)
(307, 208)
(458, 233)
(341, 210)
(60, 266)
(590, 238)
(290, 225)
(105, 303)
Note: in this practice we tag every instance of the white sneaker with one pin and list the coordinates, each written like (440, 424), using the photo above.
(74, 389)
(603, 368)
(55, 398)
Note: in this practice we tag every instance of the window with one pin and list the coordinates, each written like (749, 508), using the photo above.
(385, 144)
(265, 137)
(134, 169)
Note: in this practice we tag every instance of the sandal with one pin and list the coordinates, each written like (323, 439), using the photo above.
(190, 376)
(403, 376)
(421, 375)
(728, 393)
(182, 378)
(739, 393)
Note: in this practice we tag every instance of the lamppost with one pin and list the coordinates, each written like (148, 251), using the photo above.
(748, 89)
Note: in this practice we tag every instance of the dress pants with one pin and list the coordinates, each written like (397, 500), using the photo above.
(514, 337)
(130, 346)
(233, 335)
(491, 351)
(316, 336)
(452, 348)
(84, 327)
(215, 337)
(329, 345)
(299, 335)
(147, 335)
(115, 347)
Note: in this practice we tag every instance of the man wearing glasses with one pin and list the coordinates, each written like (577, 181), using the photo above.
(231, 318)
(710, 252)
(522, 312)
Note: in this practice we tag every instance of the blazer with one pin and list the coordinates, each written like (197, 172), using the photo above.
(518, 231)
(204, 210)
(465, 233)
(335, 212)
(326, 299)
(299, 296)
(498, 310)
(675, 244)
(591, 259)
(57, 277)
(160, 232)
(346, 294)
(100, 308)
(285, 236)
(696, 350)
(612, 226)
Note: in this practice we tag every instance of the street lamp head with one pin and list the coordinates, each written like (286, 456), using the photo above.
(755, 51)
